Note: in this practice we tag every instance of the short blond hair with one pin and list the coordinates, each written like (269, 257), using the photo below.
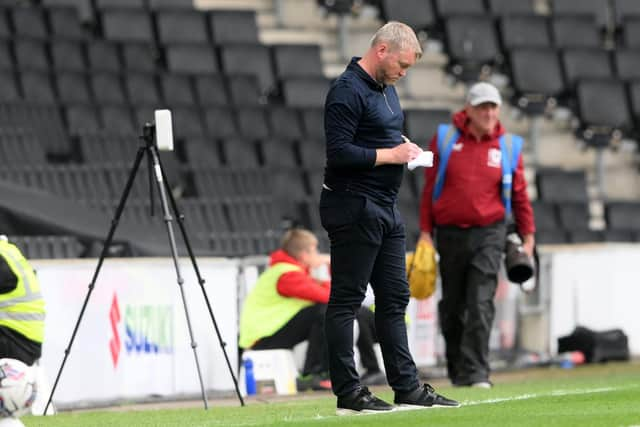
(297, 240)
(399, 36)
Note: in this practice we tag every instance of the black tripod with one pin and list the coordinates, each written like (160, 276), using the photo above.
(155, 168)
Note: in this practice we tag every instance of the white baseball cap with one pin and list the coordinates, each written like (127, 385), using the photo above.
(483, 92)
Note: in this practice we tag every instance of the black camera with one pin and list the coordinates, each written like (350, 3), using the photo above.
(517, 262)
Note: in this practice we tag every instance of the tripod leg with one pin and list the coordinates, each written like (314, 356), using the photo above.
(174, 254)
(201, 281)
(105, 248)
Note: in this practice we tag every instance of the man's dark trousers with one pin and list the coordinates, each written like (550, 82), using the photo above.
(469, 263)
(367, 246)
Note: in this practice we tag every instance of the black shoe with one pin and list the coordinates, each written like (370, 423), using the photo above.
(423, 397)
(361, 401)
(373, 378)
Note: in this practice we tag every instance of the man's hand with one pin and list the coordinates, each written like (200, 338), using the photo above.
(426, 237)
(528, 243)
(401, 153)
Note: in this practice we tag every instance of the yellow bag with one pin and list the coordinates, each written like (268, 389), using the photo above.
(422, 270)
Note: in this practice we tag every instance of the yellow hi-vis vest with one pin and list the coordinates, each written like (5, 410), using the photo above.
(23, 308)
(265, 311)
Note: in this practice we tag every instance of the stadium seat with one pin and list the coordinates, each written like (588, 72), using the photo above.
(192, 59)
(623, 9)
(49, 247)
(139, 56)
(211, 90)
(82, 119)
(5, 28)
(253, 214)
(288, 184)
(20, 146)
(233, 26)
(519, 31)
(204, 215)
(65, 23)
(449, 8)
(6, 60)
(118, 4)
(103, 56)
(118, 119)
(511, 7)
(252, 122)
(141, 89)
(575, 31)
(107, 88)
(573, 216)
(244, 90)
(186, 122)
(623, 222)
(67, 55)
(631, 31)
(128, 24)
(202, 152)
(276, 153)
(586, 236)
(29, 22)
(472, 45)
(220, 122)
(418, 14)
(634, 97)
(285, 122)
(240, 153)
(301, 92)
(171, 4)
(313, 155)
(627, 64)
(72, 88)
(37, 88)
(181, 26)
(422, 124)
(297, 60)
(603, 111)
(177, 90)
(596, 9)
(536, 77)
(106, 147)
(8, 87)
(30, 54)
(249, 59)
(313, 123)
(559, 186)
(585, 63)
(546, 216)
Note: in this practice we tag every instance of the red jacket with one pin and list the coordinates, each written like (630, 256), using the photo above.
(471, 195)
(299, 284)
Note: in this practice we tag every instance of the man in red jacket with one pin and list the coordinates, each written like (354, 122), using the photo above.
(468, 219)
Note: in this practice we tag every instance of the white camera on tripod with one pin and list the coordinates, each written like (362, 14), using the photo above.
(164, 130)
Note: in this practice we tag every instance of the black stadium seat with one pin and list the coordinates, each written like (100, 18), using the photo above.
(72, 88)
(511, 7)
(536, 77)
(119, 119)
(31, 54)
(65, 23)
(139, 56)
(623, 215)
(239, 153)
(448, 8)
(305, 92)
(623, 9)
(472, 45)
(418, 14)
(82, 119)
(575, 31)
(627, 63)
(524, 31)
(6, 60)
(421, 125)
(253, 123)
(67, 55)
(249, 58)
(233, 26)
(181, 26)
(103, 56)
(127, 25)
(285, 123)
(244, 89)
(574, 215)
(586, 63)
(141, 89)
(210, 90)
(603, 111)
(631, 32)
(37, 87)
(561, 186)
(297, 60)
(191, 58)
(107, 88)
(177, 90)
(220, 122)
(29, 22)
(596, 9)
(9, 87)
(277, 153)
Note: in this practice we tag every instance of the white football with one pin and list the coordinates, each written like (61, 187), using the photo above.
(17, 388)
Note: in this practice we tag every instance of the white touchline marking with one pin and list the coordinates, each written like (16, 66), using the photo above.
(550, 394)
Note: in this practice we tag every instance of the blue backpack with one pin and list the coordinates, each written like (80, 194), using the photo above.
(510, 147)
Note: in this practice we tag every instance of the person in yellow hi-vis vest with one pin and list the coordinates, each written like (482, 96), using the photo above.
(286, 306)
(22, 309)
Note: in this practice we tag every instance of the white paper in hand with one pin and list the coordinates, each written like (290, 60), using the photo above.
(424, 159)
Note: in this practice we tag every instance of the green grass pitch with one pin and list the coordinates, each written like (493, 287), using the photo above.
(600, 395)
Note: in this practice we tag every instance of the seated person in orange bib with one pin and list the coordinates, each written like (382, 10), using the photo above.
(287, 306)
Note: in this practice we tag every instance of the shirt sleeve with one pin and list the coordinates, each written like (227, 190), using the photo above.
(426, 202)
(520, 204)
(297, 284)
(343, 110)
